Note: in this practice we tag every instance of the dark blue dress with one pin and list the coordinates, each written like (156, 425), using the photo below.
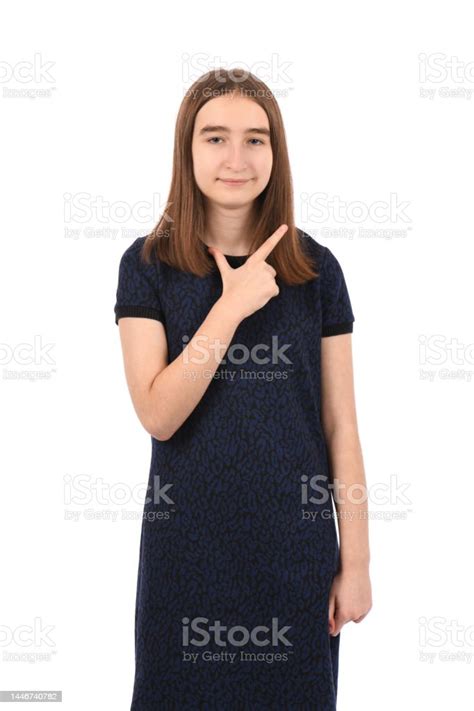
(239, 541)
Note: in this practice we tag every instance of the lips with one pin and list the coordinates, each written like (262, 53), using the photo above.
(233, 182)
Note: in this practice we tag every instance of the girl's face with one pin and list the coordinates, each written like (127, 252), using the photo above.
(231, 141)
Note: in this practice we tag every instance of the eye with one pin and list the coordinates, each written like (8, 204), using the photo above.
(218, 138)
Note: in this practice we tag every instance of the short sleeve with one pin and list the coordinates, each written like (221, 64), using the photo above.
(336, 309)
(137, 290)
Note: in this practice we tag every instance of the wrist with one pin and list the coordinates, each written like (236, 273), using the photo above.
(354, 564)
(228, 311)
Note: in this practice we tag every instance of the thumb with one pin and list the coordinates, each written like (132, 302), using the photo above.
(332, 609)
(221, 261)
(339, 621)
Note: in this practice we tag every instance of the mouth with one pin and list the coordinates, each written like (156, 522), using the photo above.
(233, 182)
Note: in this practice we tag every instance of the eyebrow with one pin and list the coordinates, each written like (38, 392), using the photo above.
(224, 129)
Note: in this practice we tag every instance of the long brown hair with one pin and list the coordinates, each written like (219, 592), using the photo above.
(177, 239)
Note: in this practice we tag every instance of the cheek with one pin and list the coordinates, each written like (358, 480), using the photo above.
(264, 167)
(203, 167)
(205, 159)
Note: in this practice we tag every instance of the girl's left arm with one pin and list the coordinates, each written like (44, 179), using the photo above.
(351, 597)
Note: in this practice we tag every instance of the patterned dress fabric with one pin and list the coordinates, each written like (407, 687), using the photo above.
(239, 541)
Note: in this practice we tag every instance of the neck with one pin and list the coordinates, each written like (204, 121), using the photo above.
(228, 229)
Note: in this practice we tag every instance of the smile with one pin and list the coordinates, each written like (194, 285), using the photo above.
(234, 182)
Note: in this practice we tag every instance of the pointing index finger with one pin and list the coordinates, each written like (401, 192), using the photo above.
(264, 250)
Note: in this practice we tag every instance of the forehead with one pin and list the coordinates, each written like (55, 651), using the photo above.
(238, 113)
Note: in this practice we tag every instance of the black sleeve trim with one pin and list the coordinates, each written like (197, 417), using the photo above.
(139, 311)
(336, 329)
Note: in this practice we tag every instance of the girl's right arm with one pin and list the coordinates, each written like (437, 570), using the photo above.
(165, 395)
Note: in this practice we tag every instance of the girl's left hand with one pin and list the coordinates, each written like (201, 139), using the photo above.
(350, 598)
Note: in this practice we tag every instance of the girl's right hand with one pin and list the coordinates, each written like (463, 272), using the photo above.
(249, 287)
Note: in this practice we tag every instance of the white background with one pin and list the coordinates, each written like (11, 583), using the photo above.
(363, 89)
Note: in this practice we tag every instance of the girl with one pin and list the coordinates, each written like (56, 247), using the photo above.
(235, 328)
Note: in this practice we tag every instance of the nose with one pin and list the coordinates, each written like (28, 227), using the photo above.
(235, 157)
